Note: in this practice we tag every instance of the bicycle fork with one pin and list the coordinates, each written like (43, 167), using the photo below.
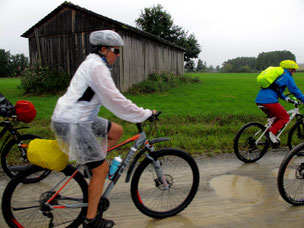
(158, 168)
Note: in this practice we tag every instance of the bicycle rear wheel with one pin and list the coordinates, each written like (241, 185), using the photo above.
(245, 147)
(13, 161)
(296, 134)
(24, 204)
(149, 194)
(290, 178)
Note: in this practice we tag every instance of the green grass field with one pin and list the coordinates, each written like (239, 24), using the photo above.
(200, 118)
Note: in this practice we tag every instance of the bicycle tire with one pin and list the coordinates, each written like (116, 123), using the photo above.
(244, 143)
(296, 134)
(182, 175)
(291, 176)
(13, 162)
(22, 206)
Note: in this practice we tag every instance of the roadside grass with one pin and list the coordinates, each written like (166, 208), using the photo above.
(200, 118)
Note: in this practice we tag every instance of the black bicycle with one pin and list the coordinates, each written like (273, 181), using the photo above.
(14, 145)
(251, 142)
(163, 184)
(290, 178)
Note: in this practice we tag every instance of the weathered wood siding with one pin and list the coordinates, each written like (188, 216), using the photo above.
(63, 43)
(142, 57)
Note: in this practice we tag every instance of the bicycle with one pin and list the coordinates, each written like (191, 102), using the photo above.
(290, 179)
(251, 142)
(13, 148)
(163, 184)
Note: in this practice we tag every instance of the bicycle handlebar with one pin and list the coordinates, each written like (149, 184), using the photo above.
(293, 100)
(152, 118)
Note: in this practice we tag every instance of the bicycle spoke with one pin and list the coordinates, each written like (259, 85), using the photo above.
(250, 143)
(156, 197)
(291, 177)
(27, 202)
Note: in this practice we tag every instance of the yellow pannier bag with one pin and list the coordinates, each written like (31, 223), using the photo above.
(46, 154)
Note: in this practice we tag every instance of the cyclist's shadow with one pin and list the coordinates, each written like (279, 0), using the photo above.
(175, 221)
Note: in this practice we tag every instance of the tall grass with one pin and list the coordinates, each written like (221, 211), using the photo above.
(200, 118)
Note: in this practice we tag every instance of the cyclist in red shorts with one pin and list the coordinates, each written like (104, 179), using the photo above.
(269, 98)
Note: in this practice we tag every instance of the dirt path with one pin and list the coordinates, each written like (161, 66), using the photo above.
(231, 194)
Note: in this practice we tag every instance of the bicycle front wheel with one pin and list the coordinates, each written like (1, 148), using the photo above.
(13, 161)
(290, 178)
(249, 143)
(25, 204)
(296, 134)
(149, 193)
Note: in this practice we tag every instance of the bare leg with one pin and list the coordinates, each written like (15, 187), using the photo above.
(99, 175)
(114, 134)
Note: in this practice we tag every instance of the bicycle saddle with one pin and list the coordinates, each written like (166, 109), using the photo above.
(265, 110)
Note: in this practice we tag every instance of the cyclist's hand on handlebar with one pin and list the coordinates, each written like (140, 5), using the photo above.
(154, 115)
(289, 100)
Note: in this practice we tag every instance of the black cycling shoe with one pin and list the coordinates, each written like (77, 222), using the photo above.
(97, 223)
(275, 145)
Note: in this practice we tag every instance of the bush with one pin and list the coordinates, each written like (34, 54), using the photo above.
(42, 80)
(244, 69)
(162, 82)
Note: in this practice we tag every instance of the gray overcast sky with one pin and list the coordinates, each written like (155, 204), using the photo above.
(225, 29)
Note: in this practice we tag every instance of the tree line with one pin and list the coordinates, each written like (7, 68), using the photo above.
(252, 64)
(244, 64)
(12, 65)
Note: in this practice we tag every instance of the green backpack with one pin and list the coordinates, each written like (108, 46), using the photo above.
(268, 76)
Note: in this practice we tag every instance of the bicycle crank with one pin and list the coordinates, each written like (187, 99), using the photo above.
(252, 144)
(51, 216)
(103, 205)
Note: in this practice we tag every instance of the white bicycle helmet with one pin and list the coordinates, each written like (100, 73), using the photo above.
(106, 38)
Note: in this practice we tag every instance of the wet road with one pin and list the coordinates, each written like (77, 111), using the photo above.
(231, 194)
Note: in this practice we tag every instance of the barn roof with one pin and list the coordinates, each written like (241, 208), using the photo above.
(119, 25)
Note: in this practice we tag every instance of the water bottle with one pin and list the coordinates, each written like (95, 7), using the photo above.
(114, 166)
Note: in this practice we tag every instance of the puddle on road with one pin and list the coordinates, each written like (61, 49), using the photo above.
(238, 187)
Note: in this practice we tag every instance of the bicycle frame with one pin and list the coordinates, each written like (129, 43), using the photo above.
(139, 140)
(292, 113)
(8, 127)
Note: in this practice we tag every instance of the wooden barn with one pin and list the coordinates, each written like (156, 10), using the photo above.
(61, 41)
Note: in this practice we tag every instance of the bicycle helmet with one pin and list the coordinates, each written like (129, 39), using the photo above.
(289, 64)
(106, 38)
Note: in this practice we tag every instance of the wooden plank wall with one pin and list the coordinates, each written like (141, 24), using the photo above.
(142, 57)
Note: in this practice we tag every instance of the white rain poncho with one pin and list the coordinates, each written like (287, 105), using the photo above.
(80, 114)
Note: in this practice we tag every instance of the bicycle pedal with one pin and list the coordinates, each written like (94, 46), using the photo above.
(275, 145)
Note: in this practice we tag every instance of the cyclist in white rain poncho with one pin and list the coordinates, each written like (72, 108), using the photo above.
(76, 124)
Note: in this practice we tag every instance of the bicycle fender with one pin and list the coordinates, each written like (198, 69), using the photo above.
(131, 167)
(18, 128)
(158, 140)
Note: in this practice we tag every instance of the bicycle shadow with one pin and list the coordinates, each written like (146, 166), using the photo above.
(175, 221)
